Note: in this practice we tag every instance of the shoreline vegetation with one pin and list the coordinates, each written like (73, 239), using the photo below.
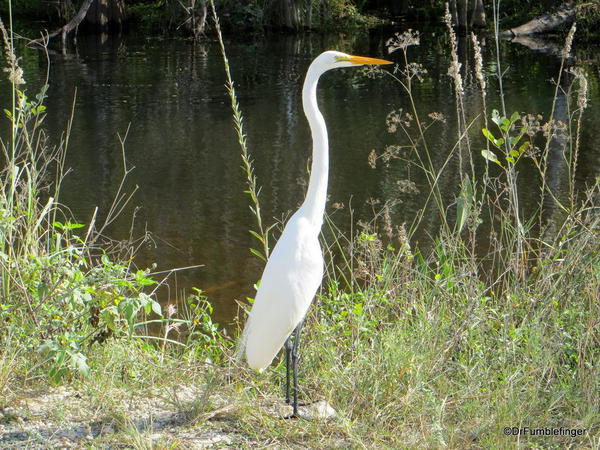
(192, 17)
(413, 349)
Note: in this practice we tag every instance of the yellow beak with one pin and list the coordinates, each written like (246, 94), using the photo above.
(362, 60)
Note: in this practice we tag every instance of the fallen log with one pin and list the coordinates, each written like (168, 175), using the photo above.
(565, 15)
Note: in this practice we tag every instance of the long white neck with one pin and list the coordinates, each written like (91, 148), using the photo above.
(316, 196)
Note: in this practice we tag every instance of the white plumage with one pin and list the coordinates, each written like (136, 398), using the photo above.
(294, 270)
(288, 285)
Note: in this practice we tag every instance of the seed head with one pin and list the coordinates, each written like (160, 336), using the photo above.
(403, 40)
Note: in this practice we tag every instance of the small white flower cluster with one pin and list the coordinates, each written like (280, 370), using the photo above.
(402, 40)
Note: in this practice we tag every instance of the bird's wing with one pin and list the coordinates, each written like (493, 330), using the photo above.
(288, 285)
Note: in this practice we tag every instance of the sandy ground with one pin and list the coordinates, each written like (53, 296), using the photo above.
(64, 418)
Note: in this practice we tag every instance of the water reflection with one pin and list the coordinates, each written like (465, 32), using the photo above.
(169, 95)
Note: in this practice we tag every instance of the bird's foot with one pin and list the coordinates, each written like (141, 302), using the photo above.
(319, 410)
(289, 402)
(297, 414)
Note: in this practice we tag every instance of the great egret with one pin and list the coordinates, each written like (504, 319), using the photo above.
(294, 270)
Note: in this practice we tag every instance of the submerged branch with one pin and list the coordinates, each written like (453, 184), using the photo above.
(70, 26)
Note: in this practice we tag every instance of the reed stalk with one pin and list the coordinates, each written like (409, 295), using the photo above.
(262, 232)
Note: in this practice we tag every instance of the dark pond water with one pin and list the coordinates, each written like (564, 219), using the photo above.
(170, 95)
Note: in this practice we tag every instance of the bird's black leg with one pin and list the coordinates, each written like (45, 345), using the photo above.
(288, 351)
(295, 367)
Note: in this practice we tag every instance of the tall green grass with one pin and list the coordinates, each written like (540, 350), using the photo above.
(64, 287)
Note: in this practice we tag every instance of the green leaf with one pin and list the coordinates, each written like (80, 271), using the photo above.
(464, 204)
(79, 362)
(256, 235)
(156, 308)
(142, 279)
(143, 301)
(68, 225)
(108, 316)
(510, 159)
(524, 146)
(105, 260)
(490, 156)
(514, 153)
(489, 136)
(513, 140)
(258, 254)
(41, 291)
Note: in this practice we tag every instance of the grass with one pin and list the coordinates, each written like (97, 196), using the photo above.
(413, 348)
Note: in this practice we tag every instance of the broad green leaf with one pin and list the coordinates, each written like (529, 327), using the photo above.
(68, 225)
(105, 260)
(156, 308)
(488, 134)
(80, 363)
(490, 156)
(358, 309)
(142, 279)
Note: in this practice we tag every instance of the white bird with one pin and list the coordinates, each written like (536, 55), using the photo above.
(294, 270)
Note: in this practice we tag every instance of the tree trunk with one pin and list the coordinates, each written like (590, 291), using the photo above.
(467, 13)
(463, 11)
(283, 13)
(478, 14)
(201, 23)
(105, 15)
(195, 17)
(454, 12)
